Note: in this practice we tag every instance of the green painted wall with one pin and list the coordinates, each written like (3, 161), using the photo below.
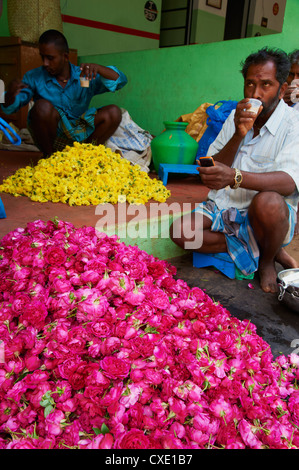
(4, 31)
(166, 83)
(88, 40)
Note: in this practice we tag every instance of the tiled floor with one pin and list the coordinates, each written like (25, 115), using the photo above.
(278, 325)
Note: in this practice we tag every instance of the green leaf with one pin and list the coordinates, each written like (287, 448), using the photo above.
(44, 403)
(48, 410)
(21, 376)
(97, 431)
(104, 430)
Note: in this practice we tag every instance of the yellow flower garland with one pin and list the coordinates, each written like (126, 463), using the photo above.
(85, 174)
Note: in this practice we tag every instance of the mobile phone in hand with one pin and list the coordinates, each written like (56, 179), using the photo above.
(206, 161)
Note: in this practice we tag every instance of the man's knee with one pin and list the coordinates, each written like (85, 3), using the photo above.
(175, 229)
(268, 206)
(110, 114)
(187, 231)
(43, 110)
(115, 114)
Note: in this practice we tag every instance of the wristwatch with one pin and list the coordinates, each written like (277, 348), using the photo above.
(238, 178)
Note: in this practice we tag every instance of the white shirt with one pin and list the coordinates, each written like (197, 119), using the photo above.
(275, 148)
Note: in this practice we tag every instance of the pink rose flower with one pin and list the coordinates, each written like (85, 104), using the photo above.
(67, 366)
(133, 439)
(115, 368)
(22, 444)
(159, 299)
(78, 375)
(90, 276)
(61, 285)
(101, 442)
(294, 407)
(109, 345)
(54, 422)
(34, 314)
(93, 305)
(134, 297)
(104, 348)
(22, 273)
(248, 435)
(55, 256)
(19, 302)
(133, 392)
(100, 329)
(32, 362)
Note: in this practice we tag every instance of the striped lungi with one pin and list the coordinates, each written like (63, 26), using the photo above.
(241, 243)
(71, 130)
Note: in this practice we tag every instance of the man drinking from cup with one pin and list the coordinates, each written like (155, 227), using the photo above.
(251, 208)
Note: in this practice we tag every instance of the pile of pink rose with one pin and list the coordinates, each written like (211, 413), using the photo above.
(103, 348)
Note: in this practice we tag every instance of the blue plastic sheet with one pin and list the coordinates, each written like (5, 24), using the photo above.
(15, 139)
(215, 121)
(2, 210)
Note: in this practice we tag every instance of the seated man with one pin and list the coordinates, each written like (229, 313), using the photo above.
(60, 111)
(251, 208)
(293, 75)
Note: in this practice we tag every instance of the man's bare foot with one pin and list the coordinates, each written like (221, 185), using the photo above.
(286, 260)
(268, 277)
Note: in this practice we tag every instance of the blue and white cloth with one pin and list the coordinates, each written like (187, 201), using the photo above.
(129, 136)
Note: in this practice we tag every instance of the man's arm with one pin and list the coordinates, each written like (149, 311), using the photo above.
(221, 175)
(90, 71)
(105, 78)
(18, 94)
(243, 121)
(284, 179)
(278, 181)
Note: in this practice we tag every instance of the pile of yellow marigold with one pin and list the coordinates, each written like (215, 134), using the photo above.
(85, 174)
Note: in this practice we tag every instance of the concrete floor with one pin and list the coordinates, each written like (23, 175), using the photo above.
(276, 324)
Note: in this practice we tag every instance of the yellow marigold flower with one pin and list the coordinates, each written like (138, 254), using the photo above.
(85, 174)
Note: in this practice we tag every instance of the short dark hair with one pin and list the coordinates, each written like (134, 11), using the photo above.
(294, 57)
(52, 36)
(277, 56)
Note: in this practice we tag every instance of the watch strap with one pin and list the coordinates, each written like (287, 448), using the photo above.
(238, 178)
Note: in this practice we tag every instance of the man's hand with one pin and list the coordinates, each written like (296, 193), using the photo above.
(90, 71)
(287, 96)
(218, 176)
(13, 90)
(244, 119)
(288, 93)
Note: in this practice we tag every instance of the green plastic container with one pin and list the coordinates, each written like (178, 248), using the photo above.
(174, 146)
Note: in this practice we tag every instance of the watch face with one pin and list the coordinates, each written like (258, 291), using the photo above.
(238, 178)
